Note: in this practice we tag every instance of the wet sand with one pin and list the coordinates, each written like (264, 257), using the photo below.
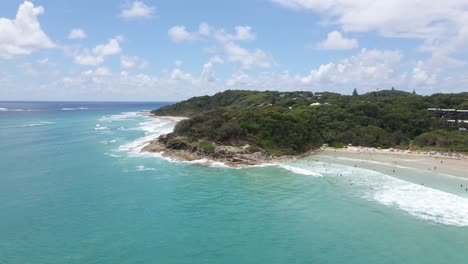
(453, 165)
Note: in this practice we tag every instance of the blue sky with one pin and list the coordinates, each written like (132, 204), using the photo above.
(171, 50)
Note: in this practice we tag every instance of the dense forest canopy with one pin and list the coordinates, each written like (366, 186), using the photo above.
(295, 122)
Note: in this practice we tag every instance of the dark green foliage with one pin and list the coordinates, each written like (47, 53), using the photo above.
(444, 140)
(335, 144)
(206, 146)
(457, 101)
(178, 143)
(233, 99)
(295, 122)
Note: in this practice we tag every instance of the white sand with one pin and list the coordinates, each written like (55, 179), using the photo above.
(451, 164)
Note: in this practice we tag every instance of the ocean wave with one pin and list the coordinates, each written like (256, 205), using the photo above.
(302, 171)
(99, 127)
(204, 162)
(123, 116)
(152, 128)
(35, 124)
(111, 155)
(2, 109)
(425, 203)
(415, 199)
(143, 168)
(74, 108)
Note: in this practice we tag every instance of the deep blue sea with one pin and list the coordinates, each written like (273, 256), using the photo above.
(74, 188)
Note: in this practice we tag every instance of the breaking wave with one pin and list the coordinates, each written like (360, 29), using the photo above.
(35, 124)
(417, 200)
(74, 108)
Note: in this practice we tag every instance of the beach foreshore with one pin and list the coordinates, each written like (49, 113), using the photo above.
(435, 154)
(454, 164)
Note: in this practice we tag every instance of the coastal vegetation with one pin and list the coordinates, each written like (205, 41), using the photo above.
(291, 123)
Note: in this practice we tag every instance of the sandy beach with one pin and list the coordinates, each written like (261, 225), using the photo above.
(454, 164)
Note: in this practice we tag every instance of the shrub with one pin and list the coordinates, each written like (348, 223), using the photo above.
(206, 146)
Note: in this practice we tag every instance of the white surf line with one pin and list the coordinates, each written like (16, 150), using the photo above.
(419, 201)
(301, 171)
(38, 123)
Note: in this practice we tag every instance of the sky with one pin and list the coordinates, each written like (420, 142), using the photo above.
(169, 50)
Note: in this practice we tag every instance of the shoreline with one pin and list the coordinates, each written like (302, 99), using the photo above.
(229, 156)
(391, 151)
(238, 157)
(233, 157)
(428, 161)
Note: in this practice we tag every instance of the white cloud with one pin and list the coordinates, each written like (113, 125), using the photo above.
(97, 55)
(368, 69)
(43, 61)
(77, 33)
(179, 75)
(208, 74)
(128, 62)
(137, 9)
(204, 29)
(85, 57)
(258, 58)
(441, 25)
(226, 43)
(335, 41)
(110, 48)
(23, 35)
(243, 33)
(421, 76)
(180, 34)
(103, 71)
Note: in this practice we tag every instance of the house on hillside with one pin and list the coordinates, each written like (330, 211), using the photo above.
(454, 117)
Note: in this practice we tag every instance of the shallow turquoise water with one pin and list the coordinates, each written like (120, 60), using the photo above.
(73, 189)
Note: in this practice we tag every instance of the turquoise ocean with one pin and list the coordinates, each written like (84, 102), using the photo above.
(74, 188)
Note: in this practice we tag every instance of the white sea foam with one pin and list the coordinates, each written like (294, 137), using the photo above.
(112, 155)
(152, 128)
(39, 123)
(143, 168)
(425, 203)
(122, 116)
(99, 127)
(74, 108)
(204, 162)
(302, 171)
(2, 109)
(417, 200)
